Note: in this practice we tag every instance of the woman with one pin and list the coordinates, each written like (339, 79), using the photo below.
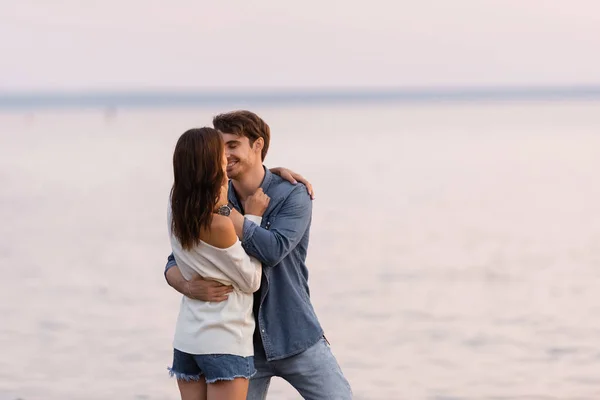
(213, 349)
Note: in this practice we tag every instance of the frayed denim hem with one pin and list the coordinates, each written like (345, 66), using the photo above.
(183, 377)
(229, 378)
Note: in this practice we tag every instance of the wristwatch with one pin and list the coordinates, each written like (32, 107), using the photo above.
(224, 210)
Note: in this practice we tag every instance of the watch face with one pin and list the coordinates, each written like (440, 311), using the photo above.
(224, 210)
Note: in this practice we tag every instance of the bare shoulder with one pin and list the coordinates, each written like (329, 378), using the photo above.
(221, 233)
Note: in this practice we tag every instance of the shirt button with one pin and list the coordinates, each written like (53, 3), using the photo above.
(262, 330)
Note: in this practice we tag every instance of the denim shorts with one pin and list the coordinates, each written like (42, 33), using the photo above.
(214, 367)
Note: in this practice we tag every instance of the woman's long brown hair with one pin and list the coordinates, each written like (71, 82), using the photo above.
(198, 177)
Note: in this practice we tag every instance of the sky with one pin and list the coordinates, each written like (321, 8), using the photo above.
(78, 45)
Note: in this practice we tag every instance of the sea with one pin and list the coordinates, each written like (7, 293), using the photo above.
(455, 246)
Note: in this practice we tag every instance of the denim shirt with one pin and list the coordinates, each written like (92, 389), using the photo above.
(286, 322)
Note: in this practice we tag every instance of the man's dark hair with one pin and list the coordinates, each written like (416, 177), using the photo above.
(244, 123)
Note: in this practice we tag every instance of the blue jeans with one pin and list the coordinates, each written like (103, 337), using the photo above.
(314, 373)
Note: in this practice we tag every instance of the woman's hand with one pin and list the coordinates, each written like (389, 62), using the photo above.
(294, 178)
(257, 203)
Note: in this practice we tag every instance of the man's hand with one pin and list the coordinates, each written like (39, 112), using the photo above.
(198, 288)
(206, 290)
(257, 203)
(294, 178)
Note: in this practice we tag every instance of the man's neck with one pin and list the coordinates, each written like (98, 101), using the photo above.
(246, 185)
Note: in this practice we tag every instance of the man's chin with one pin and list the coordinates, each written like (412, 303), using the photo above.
(232, 174)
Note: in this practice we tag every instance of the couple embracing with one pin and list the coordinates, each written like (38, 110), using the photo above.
(239, 235)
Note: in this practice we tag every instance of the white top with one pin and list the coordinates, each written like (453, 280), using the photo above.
(217, 328)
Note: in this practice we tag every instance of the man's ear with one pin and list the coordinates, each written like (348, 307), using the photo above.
(259, 144)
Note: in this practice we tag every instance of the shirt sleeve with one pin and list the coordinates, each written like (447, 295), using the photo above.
(272, 245)
(242, 269)
(170, 263)
(254, 218)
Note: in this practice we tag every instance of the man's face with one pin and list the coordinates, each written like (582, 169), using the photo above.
(241, 157)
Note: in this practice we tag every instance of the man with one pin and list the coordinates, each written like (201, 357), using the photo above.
(288, 339)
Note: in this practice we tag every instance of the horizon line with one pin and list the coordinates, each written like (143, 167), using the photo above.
(288, 96)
